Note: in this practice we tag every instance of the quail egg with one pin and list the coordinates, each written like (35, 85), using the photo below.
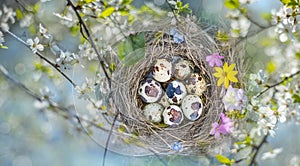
(192, 107)
(182, 69)
(150, 91)
(195, 84)
(172, 115)
(176, 91)
(153, 112)
(162, 70)
(164, 100)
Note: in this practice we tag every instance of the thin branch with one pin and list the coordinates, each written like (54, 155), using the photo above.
(55, 66)
(278, 83)
(18, 83)
(108, 138)
(172, 9)
(257, 148)
(52, 104)
(23, 5)
(86, 30)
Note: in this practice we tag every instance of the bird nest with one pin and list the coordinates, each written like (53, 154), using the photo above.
(194, 136)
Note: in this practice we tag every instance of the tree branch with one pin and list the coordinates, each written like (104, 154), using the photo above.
(86, 30)
(55, 66)
(257, 148)
(278, 83)
(52, 104)
(172, 9)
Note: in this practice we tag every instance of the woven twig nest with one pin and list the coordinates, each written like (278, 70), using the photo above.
(193, 135)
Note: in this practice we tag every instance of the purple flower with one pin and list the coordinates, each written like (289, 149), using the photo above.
(234, 99)
(227, 124)
(177, 146)
(226, 127)
(215, 60)
(215, 130)
(177, 37)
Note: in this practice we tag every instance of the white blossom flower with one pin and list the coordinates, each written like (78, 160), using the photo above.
(294, 161)
(44, 32)
(8, 14)
(85, 89)
(34, 45)
(69, 19)
(43, 1)
(266, 122)
(27, 20)
(66, 59)
(281, 113)
(239, 24)
(45, 91)
(286, 20)
(266, 127)
(85, 50)
(41, 105)
(272, 154)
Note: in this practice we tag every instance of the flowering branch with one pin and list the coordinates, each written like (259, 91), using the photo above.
(278, 83)
(51, 104)
(172, 9)
(44, 58)
(84, 27)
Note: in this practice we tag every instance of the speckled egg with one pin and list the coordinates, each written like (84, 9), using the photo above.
(162, 70)
(172, 115)
(164, 100)
(176, 91)
(182, 69)
(153, 112)
(150, 91)
(192, 107)
(195, 84)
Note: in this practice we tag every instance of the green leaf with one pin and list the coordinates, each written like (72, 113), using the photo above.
(267, 16)
(88, 1)
(133, 57)
(232, 4)
(271, 67)
(223, 159)
(298, 55)
(107, 12)
(3, 47)
(112, 66)
(222, 36)
(285, 1)
(183, 8)
(121, 129)
(32, 29)
(74, 30)
(296, 98)
(132, 49)
(36, 8)
(126, 2)
(19, 14)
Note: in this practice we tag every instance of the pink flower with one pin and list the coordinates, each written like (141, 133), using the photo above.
(215, 130)
(226, 127)
(215, 60)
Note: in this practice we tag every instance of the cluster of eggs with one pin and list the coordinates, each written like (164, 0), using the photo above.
(172, 90)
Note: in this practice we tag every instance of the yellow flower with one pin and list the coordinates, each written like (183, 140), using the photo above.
(226, 74)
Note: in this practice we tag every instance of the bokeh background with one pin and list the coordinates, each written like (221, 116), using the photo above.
(29, 137)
